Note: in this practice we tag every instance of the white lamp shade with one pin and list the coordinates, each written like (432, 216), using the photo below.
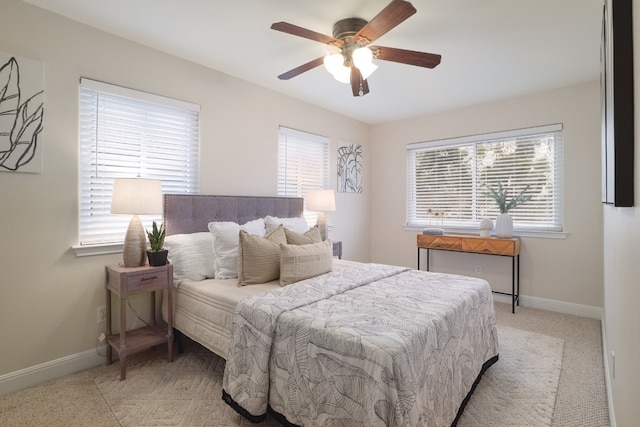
(136, 196)
(321, 200)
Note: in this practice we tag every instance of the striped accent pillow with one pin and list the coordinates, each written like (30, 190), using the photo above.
(310, 236)
(299, 262)
(259, 257)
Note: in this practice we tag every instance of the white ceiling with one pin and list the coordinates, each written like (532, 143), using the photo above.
(491, 49)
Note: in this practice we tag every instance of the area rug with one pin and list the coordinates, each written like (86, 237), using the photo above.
(519, 390)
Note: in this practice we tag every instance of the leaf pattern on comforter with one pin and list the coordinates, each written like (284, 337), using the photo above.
(370, 345)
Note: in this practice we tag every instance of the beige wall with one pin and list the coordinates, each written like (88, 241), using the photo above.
(568, 270)
(49, 296)
(621, 281)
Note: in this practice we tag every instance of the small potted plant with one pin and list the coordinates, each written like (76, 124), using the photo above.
(157, 255)
(504, 222)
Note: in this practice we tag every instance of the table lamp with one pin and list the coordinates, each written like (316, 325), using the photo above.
(321, 201)
(136, 196)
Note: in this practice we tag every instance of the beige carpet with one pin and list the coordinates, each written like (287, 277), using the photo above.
(187, 392)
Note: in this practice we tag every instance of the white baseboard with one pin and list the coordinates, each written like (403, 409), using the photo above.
(607, 376)
(51, 370)
(554, 305)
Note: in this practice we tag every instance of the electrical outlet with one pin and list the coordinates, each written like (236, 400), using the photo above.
(613, 364)
(102, 314)
(478, 269)
(101, 337)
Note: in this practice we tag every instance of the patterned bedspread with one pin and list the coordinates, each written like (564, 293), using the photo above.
(370, 345)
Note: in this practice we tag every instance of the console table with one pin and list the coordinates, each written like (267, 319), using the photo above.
(480, 245)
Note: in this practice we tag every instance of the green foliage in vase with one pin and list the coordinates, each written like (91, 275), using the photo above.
(156, 237)
(501, 197)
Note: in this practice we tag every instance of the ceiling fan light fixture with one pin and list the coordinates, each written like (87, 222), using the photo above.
(362, 56)
(343, 74)
(363, 60)
(334, 63)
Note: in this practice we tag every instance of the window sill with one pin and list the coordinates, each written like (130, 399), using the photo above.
(100, 249)
(516, 233)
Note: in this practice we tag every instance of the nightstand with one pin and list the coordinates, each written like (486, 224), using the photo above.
(337, 249)
(124, 282)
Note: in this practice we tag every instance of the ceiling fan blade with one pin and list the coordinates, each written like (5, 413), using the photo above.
(301, 69)
(285, 27)
(411, 57)
(359, 86)
(393, 14)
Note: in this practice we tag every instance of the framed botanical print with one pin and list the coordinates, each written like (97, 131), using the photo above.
(350, 168)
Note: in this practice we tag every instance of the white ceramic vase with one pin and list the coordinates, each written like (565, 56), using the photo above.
(504, 225)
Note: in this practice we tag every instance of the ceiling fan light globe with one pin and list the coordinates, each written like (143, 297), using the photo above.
(333, 62)
(367, 70)
(362, 57)
(343, 75)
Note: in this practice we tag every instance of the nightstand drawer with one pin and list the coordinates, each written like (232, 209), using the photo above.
(146, 281)
(127, 281)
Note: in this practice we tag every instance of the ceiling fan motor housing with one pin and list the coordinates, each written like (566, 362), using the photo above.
(344, 30)
(347, 27)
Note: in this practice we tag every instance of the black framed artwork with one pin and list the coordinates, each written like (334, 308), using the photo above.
(616, 82)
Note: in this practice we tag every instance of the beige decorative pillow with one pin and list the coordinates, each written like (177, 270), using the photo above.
(259, 257)
(311, 236)
(299, 262)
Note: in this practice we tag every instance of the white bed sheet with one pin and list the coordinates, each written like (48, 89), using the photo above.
(203, 310)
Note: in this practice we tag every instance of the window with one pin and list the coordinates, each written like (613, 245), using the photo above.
(448, 180)
(123, 134)
(303, 164)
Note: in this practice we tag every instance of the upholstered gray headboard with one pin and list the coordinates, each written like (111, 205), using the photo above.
(193, 213)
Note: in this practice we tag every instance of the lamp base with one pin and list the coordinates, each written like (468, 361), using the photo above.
(135, 244)
(322, 226)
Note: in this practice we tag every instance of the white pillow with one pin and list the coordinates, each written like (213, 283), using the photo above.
(191, 256)
(296, 224)
(225, 245)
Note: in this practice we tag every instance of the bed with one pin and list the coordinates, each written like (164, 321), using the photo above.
(361, 344)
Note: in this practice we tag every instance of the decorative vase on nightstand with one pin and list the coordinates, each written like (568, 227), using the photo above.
(504, 225)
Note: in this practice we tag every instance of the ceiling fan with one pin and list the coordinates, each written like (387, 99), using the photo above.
(353, 64)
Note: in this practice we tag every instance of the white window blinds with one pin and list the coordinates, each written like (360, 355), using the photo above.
(124, 134)
(452, 177)
(303, 164)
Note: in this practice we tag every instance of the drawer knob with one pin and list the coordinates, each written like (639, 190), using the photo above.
(144, 279)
